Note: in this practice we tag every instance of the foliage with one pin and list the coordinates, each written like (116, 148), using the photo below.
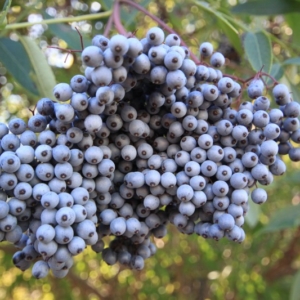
(260, 268)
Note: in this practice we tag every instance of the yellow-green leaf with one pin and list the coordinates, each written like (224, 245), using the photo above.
(3, 13)
(11, 52)
(45, 80)
(258, 51)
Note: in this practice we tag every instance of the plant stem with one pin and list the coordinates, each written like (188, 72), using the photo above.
(117, 19)
(108, 25)
(60, 20)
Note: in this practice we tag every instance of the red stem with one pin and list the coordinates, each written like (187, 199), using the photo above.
(80, 36)
(117, 20)
(158, 21)
(237, 78)
(108, 25)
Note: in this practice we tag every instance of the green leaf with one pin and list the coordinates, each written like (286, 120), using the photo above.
(224, 25)
(3, 24)
(276, 72)
(66, 33)
(258, 51)
(107, 4)
(236, 23)
(292, 61)
(15, 59)
(128, 16)
(287, 217)
(252, 216)
(293, 21)
(295, 288)
(3, 13)
(44, 76)
(232, 36)
(295, 92)
(267, 7)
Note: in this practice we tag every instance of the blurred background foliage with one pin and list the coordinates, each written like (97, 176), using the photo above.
(266, 265)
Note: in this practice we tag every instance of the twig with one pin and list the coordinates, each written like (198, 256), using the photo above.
(258, 74)
(80, 36)
(63, 49)
(243, 81)
(60, 20)
(70, 50)
(266, 85)
(32, 110)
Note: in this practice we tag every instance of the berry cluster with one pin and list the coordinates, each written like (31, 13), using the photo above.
(144, 138)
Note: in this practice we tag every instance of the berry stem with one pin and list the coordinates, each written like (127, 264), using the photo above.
(243, 81)
(258, 74)
(63, 49)
(249, 79)
(80, 36)
(270, 76)
(266, 85)
(69, 50)
(32, 110)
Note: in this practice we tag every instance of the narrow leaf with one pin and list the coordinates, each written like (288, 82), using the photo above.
(287, 217)
(276, 72)
(258, 51)
(224, 25)
(295, 289)
(15, 59)
(232, 36)
(3, 13)
(44, 76)
(252, 216)
(66, 33)
(267, 7)
(295, 93)
(107, 4)
(292, 61)
(3, 24)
